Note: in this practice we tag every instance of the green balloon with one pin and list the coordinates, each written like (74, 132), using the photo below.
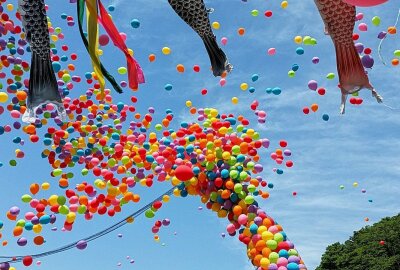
(376, 21)
(273, 256)
(61, 200)
(149, 214)
(82, 209)
(249, 199)
(26, 198)
(238, 188)
(63, 210)
(272, 244)
(278, 237)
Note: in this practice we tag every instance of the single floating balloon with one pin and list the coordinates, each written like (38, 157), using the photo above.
(376, 20)
(300, 51)
(166, 50)
(168, 87)
(82, 244)
(216, 25)
(135, 23)
(271, 51)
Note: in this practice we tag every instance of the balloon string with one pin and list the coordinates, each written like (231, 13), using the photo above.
(14, 259)
(381, 42)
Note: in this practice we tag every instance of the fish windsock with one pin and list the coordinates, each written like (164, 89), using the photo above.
(43, 87)
(195, 14)
(339, 19)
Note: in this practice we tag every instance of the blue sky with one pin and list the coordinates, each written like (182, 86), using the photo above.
(361, 146)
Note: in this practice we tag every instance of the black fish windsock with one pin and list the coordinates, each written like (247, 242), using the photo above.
(43, 87)
(195, 14)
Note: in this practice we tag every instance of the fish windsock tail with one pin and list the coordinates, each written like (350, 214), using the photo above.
(352, 76)
(43, 88)
(218, 59)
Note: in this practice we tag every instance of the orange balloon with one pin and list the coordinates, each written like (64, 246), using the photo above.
(392, 30)
(152, 57)
(18, 231)
(21, 95)
(38, 240)
(180, 68)
(34, 188)
(314, 107)
(11, 217)
(237, 210)
(241, 31)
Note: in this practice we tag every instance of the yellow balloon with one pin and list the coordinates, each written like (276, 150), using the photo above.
(3, 97)
(166, 198)
(45, 186)
(284, 4)
(166, 50)
(298, 39)
(235, 100)
(37, 228)
(71, 217)
(244, 86)
(53, 200)
(216, 25)
(10, 7)
(188, 103)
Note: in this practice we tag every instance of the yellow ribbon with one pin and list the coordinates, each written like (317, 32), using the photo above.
(93, 40)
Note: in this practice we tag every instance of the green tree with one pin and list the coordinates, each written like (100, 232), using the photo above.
(375, 247)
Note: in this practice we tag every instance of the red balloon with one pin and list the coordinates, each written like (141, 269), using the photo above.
(365, 3)
(183, 173)
(27, 260)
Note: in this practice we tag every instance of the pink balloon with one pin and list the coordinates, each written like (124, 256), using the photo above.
(103, 40)
(365, 3)
(224, 40)
(362, 27)
(222, 82)
(271, 51)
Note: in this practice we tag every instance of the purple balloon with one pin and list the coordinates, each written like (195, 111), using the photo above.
(367, 61)
(315, 60)
(166, 222)
(382, 35)
(14, 211)
(312, 85)
(82, 244)
(22, 241)
(359, 47)
(4, 266)
(272, 266)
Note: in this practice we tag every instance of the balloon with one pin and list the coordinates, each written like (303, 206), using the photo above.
(184, 173)
(166, 50)
(314, 107)
(312, 85)
(27, 260)
(367, 61)
(82, 244)
(215, 25)
(376, 20)
(104, 40)
(365, 3)
(362, 27)
(271, 51)
(224, 40)
(135, 23)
